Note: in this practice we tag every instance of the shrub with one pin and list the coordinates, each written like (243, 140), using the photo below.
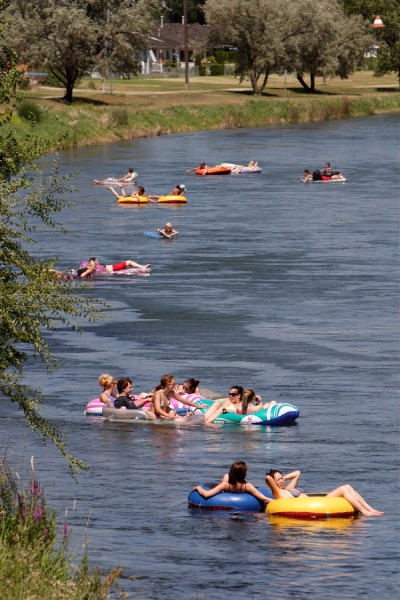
(30, 111)
(120, 117)
(211, 69)
(24, 83)
(31, 559)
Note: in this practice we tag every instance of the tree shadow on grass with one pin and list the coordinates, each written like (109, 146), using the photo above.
(251, 94)
(315, 92)
(388, 90)
(81, 100)
(299, 91)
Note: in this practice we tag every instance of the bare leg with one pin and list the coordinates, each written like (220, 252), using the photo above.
(355, 499)
(270, 403)
(214, 411)
(134, 265)
(114, 192)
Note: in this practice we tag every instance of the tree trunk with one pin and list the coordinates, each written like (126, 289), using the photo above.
(69, 89)
(264, 83)
(254, 83)
(300, 78)
(312, 82)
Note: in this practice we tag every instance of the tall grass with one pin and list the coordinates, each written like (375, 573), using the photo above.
(34, 563)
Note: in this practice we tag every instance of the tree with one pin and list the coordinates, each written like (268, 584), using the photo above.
(69, 38)
(33, 301)
(327, 42)
(387, 37)
(257, 29)
(173, 10)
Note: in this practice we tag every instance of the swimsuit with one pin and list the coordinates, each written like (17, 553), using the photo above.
(111, 398)
(296, 492)
(119, 266)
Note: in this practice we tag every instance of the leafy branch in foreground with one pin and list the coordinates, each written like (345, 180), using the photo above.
(32, 300)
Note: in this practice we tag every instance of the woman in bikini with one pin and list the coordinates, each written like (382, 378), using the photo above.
(161, 401)
(231, 404)
(276, 481)
(234, 482)
(109, 393)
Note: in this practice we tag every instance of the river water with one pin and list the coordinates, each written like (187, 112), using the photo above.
(288, 288)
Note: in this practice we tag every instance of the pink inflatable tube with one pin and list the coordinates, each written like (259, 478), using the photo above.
(94, 408)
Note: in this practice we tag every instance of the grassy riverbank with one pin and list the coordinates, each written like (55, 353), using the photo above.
(34, 561)
(148, 107)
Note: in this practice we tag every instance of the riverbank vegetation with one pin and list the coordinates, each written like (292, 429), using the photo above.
(34, 560)
(146, 107)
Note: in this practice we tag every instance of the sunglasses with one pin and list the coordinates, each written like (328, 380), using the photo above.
(234, 393)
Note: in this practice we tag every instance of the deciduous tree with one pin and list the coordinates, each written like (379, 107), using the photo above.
(69, 38)
(33, 301)
(387, 37)
(173, 11)
(328, 42)
(257, 29)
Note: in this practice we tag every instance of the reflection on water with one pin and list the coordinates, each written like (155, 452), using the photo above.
(307, 525)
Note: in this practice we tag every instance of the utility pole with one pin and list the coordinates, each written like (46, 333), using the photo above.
(185, 45)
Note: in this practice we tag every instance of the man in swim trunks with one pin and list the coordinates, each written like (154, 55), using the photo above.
(94, 266)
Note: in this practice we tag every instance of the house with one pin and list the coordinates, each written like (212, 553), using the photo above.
(168, 45)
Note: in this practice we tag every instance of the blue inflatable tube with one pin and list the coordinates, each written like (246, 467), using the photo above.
(228, 501)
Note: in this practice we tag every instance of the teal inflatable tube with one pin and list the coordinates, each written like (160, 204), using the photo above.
(278, 414)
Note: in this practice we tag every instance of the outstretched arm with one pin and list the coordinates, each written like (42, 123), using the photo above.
(180, 398)
(256, 493)
(140, 402)
(221, 487)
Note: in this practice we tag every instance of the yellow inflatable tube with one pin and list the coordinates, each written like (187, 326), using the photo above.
(311, 507)
(310, 524)
(170, 199)
(133, 200)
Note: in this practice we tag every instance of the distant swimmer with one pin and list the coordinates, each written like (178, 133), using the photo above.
(179, 190)
(203, 165)
(130, 177)
(168, 232)
(318, 175)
